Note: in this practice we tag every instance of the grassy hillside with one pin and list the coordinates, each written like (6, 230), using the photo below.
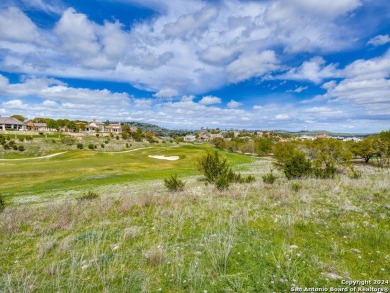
(137, 237)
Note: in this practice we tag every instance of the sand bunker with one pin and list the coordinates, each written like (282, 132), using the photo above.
(171, 158)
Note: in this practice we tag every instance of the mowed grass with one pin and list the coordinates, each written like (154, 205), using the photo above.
(83, 169)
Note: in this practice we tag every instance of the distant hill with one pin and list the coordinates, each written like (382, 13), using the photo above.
(160, 131)
(329, 133)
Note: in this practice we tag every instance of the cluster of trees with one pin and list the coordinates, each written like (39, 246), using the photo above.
(138, 135)
(245, 144)
(320, 151)
(374, 147)
(323, 158)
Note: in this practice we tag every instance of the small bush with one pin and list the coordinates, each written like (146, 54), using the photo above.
(269, 178)
(89, 195)
(21, 148)
(355, 174)
(80, 146)
(117, 137)
(53, 141)
(2, 204)
(324, 173)
(212, 166)
(102, 145)
(91, 146)
(250, 179)
(107, 141)
(174, 184)
(68, 141)
(97, 134)
(222, 182)
(296, 187)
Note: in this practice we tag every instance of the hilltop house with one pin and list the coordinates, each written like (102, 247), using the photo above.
(95, 126)
(8, 123)
(36, 126)
(113, 128)
(189, 138)
(322, 136)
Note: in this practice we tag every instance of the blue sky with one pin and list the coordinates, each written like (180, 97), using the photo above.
(276, 64)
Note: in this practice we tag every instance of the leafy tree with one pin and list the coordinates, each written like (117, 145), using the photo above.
(72, 125)
(263, 146)
(366, 148)
(219, 143)
(21, 118)
(51, 123)
(283, 151)
(126, 128)
(39, 120)
(384, 149)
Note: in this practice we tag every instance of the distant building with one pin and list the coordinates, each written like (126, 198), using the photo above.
(95, 126)
(356, 139)
(9, 123)
(322, 136)
(113, 128)
(189, 138)
(36, 126)
(306, 137)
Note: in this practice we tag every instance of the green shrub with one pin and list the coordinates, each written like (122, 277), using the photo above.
(297, 166)
(2, 204)
(89, 195)
(68, 140)
(102, 145)
(174, 184)
(269, 178)
(117, 137)
(80, 146)
(107, 141)
(212, 166)
(296, 187)
(222, 182)
(324, 173)
(355, 174)
(91, 146)
(21, 148)
(250, 179)
(217, 171)
(53, 141)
